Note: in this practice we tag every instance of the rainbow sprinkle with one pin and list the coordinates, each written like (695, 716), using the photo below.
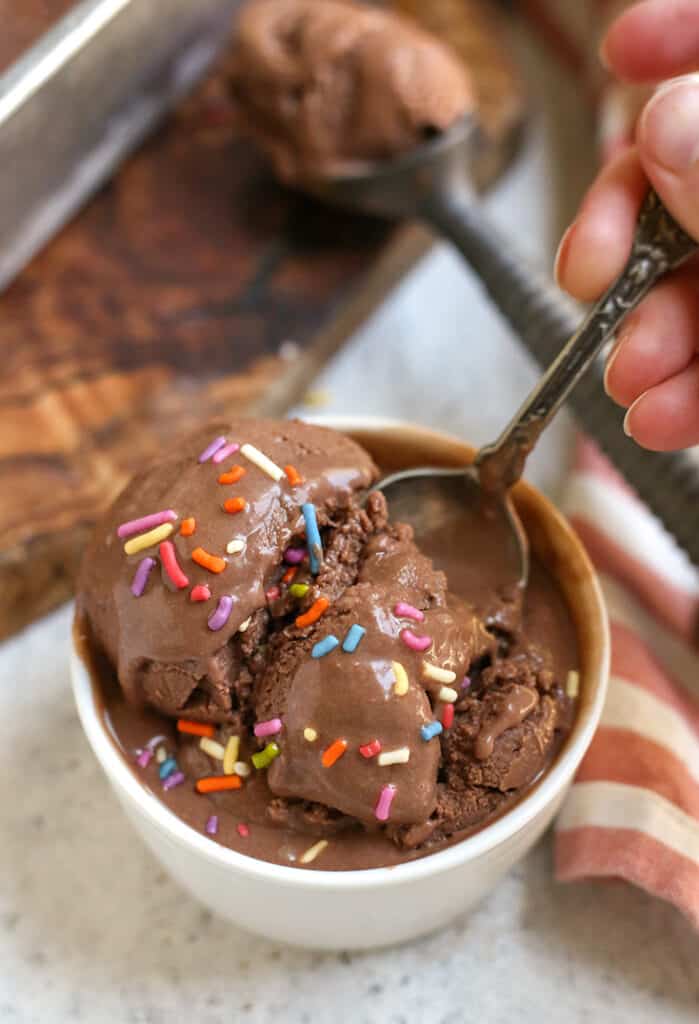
(370, 749)
(293, 475)
(168, 766)
(293, 556)
(448, 716)
(325, 646)
(218, 618)
(168, 557)
(429, 731)
(299, 589)
(447, 694)
(310, 734)
(230, 755)
(199, 593)
(191, 728)
(212, 748)
(315, 545)
(318, 608)
(212, 825)
(263, 758)
(573, 684)
(234, 547)
(242, 830)
(234, 474)
(313, 851)
(414, 642)
(143, 759)
(382, 810)
(262, 462)
(208, 561)
(141, 576)
(269, 728)
(216, 445)
(242, 769)
(408, 611)
(399, 756)
(440, 675)
(466, 682)
(353, 638)
(146, 523)
(188, 526)
(243, 627)
(402, 684)
(333, 753)
(224, 452)
(147, 540)
(176, 779)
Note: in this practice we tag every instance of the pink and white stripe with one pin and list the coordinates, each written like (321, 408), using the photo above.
(633, 811)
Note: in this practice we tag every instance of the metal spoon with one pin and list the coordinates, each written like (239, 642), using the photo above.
(432, 183)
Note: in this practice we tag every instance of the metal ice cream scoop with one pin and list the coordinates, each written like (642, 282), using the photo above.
(432, 183)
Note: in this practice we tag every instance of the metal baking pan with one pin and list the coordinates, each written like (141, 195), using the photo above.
(75, 103)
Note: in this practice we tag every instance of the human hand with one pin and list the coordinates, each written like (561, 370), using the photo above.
(654, 367)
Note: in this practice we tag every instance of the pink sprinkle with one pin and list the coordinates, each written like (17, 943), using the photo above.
(218, 442)
(200, 593)
(212, 825)
(219, 618)
(293, 556)
(414, 642)
(143, 759)
(243, 830)
(141, 576)
(383, 804)
(146, 523)
(273, 593)
(176, 779)
(223, 453)
(408, 611)
(466, 683)
(268, 728)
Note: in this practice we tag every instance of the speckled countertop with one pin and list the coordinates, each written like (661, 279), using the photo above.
(91, 929)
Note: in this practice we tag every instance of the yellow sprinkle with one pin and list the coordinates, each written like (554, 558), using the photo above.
(241, 768)
(234, 547)
(440, 675)
(313, 851)
(230, 755)
(262, 462)
(447, 695)
(148, 540)
(401, 685)
(212, 748)
(573, 684)
(316, 398)
(161, 755)
(399, 756)
(310, 734)
(244, 625)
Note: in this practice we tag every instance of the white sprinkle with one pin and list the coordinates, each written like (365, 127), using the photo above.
(241, 768)
(447, 695)
(440, 675)
(310, 734)
(244, 625)
(234, 547)
(262, 462)
(161, 755)
(313, 851)
(399, 756)
(573, 684)
(212, 748)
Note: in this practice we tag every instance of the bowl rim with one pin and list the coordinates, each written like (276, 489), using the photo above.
(525, 810)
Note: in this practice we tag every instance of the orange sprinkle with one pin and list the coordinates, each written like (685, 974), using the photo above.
(333, 753)
(234, 474)
(317, 609)
(211, 562)
(188, 526)
(293, 475)
(217, 783)
(234, 505)
(195, 728)
(290, 573)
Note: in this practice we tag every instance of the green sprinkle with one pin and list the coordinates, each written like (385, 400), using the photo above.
(299, 589)
(265, 757)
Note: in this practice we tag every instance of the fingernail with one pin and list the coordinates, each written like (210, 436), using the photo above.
(622, 338)
(602, 53)
(562, 253)
(627, 429)
(669, 125)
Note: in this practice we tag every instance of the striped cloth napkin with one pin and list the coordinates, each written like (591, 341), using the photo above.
(633, 811)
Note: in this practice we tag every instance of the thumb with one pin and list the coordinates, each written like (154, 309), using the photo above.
(668, 145)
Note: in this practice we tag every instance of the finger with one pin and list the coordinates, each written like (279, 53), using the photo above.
(668, 147)
(667, 417)
(657, 341)
(596, 246)
(654, 40)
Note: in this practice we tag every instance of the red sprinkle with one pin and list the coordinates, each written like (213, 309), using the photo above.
(243, 830)
(233, 505)
(199, 593)
(371, 749)
(290, 573)
(448, 716)
(171, 565)
(188, 526)
(293, 475)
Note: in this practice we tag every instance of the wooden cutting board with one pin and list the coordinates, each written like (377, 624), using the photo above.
(173, 297)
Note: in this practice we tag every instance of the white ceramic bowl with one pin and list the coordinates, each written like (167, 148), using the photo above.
(361, 909)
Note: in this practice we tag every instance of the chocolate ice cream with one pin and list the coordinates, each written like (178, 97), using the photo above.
(320, 83)
(287, 669)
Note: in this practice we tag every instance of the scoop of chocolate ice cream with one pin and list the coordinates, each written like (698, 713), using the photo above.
(323, 82)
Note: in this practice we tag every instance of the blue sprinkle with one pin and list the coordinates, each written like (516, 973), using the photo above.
(325, 646)
(351, 641)
(167, 768)
(313, 541)
(428, 732)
